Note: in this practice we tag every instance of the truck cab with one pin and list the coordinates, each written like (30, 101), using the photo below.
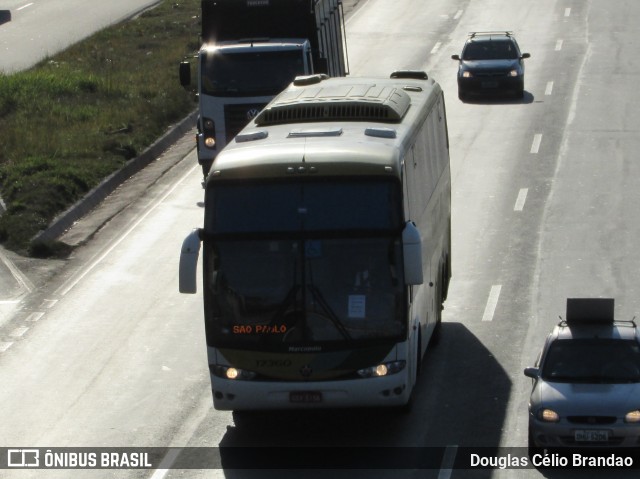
(236, 80)
(251, 51)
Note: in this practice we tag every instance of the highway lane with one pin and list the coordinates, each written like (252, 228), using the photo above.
(544, 208)
(40, 28)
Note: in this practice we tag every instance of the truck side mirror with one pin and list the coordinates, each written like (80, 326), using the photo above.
(185, 74)
(189, 253)
(412, 253)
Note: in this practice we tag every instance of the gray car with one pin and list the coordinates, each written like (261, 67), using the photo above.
(586, 382)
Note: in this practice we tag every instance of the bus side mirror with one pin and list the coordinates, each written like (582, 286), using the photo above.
(412, 252)
(185, 74)
(189, 253)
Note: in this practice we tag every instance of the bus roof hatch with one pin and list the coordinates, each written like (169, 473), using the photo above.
(341, 102)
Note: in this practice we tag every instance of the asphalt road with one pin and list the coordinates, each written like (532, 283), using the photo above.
(545, 191)
(31, 30)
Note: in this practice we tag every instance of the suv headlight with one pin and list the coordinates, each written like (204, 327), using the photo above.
(466, 74)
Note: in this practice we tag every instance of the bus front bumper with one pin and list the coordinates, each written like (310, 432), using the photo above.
(237, 395)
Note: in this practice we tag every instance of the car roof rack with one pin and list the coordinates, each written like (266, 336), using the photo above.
(492, 32)
(592, 312)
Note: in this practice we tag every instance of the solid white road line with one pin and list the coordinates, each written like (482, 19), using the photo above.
(448, 461)
(17, 274)
(68, 286)
(166, 463)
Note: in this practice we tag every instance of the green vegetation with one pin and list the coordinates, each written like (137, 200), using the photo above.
(76, 117)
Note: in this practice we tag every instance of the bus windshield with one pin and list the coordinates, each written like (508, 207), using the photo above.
(289, 267)
(250, 73)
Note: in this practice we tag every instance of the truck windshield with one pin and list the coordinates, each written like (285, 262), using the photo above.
(274, 281)
(250, 73)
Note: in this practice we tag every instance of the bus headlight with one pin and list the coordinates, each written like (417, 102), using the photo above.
(384, 369)
(210, 142)
(228, 372)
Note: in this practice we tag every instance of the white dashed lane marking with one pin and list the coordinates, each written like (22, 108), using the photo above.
(492, 302)
(535, 146)
(522, 197)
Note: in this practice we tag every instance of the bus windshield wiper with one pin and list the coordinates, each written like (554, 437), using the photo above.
(289, 300)
(330, 314)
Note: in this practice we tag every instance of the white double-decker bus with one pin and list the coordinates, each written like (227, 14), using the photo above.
(326, 245)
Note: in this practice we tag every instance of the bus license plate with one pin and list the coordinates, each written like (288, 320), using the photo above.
(589, 435)
(305, 396)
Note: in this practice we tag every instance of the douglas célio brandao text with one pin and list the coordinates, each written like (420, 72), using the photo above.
(543, 459)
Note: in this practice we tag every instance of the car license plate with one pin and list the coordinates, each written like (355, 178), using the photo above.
(489, 84)
(305, 396)
(591, 435)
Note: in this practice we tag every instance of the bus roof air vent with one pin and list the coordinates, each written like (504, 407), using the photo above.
(251, 136)
(309, 79)
(340, 102)
(413, 74)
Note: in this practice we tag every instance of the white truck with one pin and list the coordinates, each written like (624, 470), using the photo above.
(253, 49)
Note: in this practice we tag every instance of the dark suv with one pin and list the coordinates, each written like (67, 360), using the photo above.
(491, 61)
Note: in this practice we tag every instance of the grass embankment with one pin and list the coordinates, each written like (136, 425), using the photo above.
(76, 117)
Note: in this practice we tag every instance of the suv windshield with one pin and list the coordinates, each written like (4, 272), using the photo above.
(490, 50)
(593, 361)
